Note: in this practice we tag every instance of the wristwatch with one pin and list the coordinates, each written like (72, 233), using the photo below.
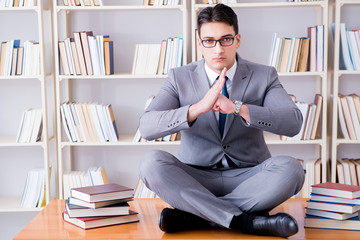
(237, 107)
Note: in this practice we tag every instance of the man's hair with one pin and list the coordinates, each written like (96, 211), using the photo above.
(218, 13)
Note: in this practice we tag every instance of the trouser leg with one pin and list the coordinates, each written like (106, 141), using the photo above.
(187, 188)
(265, 186)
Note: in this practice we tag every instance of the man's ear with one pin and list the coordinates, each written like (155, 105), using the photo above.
(238, 38)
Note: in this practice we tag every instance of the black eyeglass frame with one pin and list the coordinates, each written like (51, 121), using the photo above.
(219, 40)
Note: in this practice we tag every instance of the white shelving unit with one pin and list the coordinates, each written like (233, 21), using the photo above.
(62, 29)
(12, 203)
(321, 78)
(339, 77)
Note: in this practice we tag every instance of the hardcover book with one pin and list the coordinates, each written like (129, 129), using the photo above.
(320, 222)
(102, 192)
(337, 190)
(94, 222)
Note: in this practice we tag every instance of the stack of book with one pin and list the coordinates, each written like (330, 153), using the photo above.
(349, 116)
(333, 206)
(85, 54)
(349, 48)
(98, 206)
(83, 2)
(30, 129)
(294, 54)
(89, 122)
(158, 58)
(19, 60)
(311, 113)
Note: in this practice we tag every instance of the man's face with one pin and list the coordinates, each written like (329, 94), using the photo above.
(219, 56)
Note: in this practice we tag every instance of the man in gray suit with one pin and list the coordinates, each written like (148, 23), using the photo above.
(223, 173)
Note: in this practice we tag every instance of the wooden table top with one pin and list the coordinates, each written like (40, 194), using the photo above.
(48, 224)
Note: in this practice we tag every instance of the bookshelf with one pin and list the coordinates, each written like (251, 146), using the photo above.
(113, 89)
(23, 92)
(257, 21)
(344, 82)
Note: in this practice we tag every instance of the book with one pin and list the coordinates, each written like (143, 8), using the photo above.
(337, 190)
(86, 50)
(102, 192)
(94, 222)
(302, 65)
(99, 204)
(329, 214)
(321, 222)
(330, 199)
(109, 57)
(72, 210)
(318, 101)
(335, 207)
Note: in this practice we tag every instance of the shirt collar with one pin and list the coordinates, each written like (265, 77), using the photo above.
(212, 75)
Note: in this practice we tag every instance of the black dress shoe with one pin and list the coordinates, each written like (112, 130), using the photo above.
(280, 224)
(175, 220)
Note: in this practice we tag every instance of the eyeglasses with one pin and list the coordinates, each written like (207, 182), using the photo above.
(224, 42)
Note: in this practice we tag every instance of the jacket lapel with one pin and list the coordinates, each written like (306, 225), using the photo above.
(201, 86)
(239, 85)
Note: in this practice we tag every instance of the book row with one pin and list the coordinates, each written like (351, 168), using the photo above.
(98, 206)
(83, 2)
(89, 122)
(348, 171)
(158, 58)
(311, 113)
(19, 60)
(92, 177)
(161, 2)
(349, 48)
(333, 206)
(219, 1)
(85, 54)
(34, 191)
(349, 116)
(17, 3)
(31, 126)
(299, 54)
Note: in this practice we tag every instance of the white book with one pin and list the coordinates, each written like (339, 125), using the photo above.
(272, 48)
(113, 134)
(290, 54)
(78, 125)
(346, 168)
(65, 123)
(69, 57)
(342, 121)
(304, 108)
(275, 52)
(311, 124)
(20, 127)
(180, 53)
(8, 58)
(153, 60)
(37, 125)
(100, 48)
(345, 48)
(320, 48)
(141, 59)
(174, 52)
(102, 120)
(98, 127)
(30, 125)
(70, 122)
(354, 117)
(354, 52)
(135, 59)
(95, 58)
(168, 55)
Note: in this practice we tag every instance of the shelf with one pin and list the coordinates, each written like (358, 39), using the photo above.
(301, 74)
(20, 77)
(348, 72)
(269, 4)
(114, 76)
(12, 204)
(347, 141)
(10, 141)
(35, 8)
(275, 139)
(117, 8)
(124, 140)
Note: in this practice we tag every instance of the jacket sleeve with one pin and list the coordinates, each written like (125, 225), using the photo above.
(278, 113)
(164, 115)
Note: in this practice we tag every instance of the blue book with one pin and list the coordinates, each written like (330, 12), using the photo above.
(109, 57)
(328, 223)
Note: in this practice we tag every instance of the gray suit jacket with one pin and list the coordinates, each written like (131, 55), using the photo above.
(270, 108)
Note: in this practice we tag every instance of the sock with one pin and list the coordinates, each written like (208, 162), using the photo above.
(243, 222)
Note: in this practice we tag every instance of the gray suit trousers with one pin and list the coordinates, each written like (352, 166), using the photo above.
(219, 194)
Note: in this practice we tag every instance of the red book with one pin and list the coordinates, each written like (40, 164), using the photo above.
(337, 190)
(94, 222)
(103, 192)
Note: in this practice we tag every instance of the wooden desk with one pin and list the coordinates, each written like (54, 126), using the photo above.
(48, 224)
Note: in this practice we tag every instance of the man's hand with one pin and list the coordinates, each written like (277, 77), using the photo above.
(224, 105)
(208, 101)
